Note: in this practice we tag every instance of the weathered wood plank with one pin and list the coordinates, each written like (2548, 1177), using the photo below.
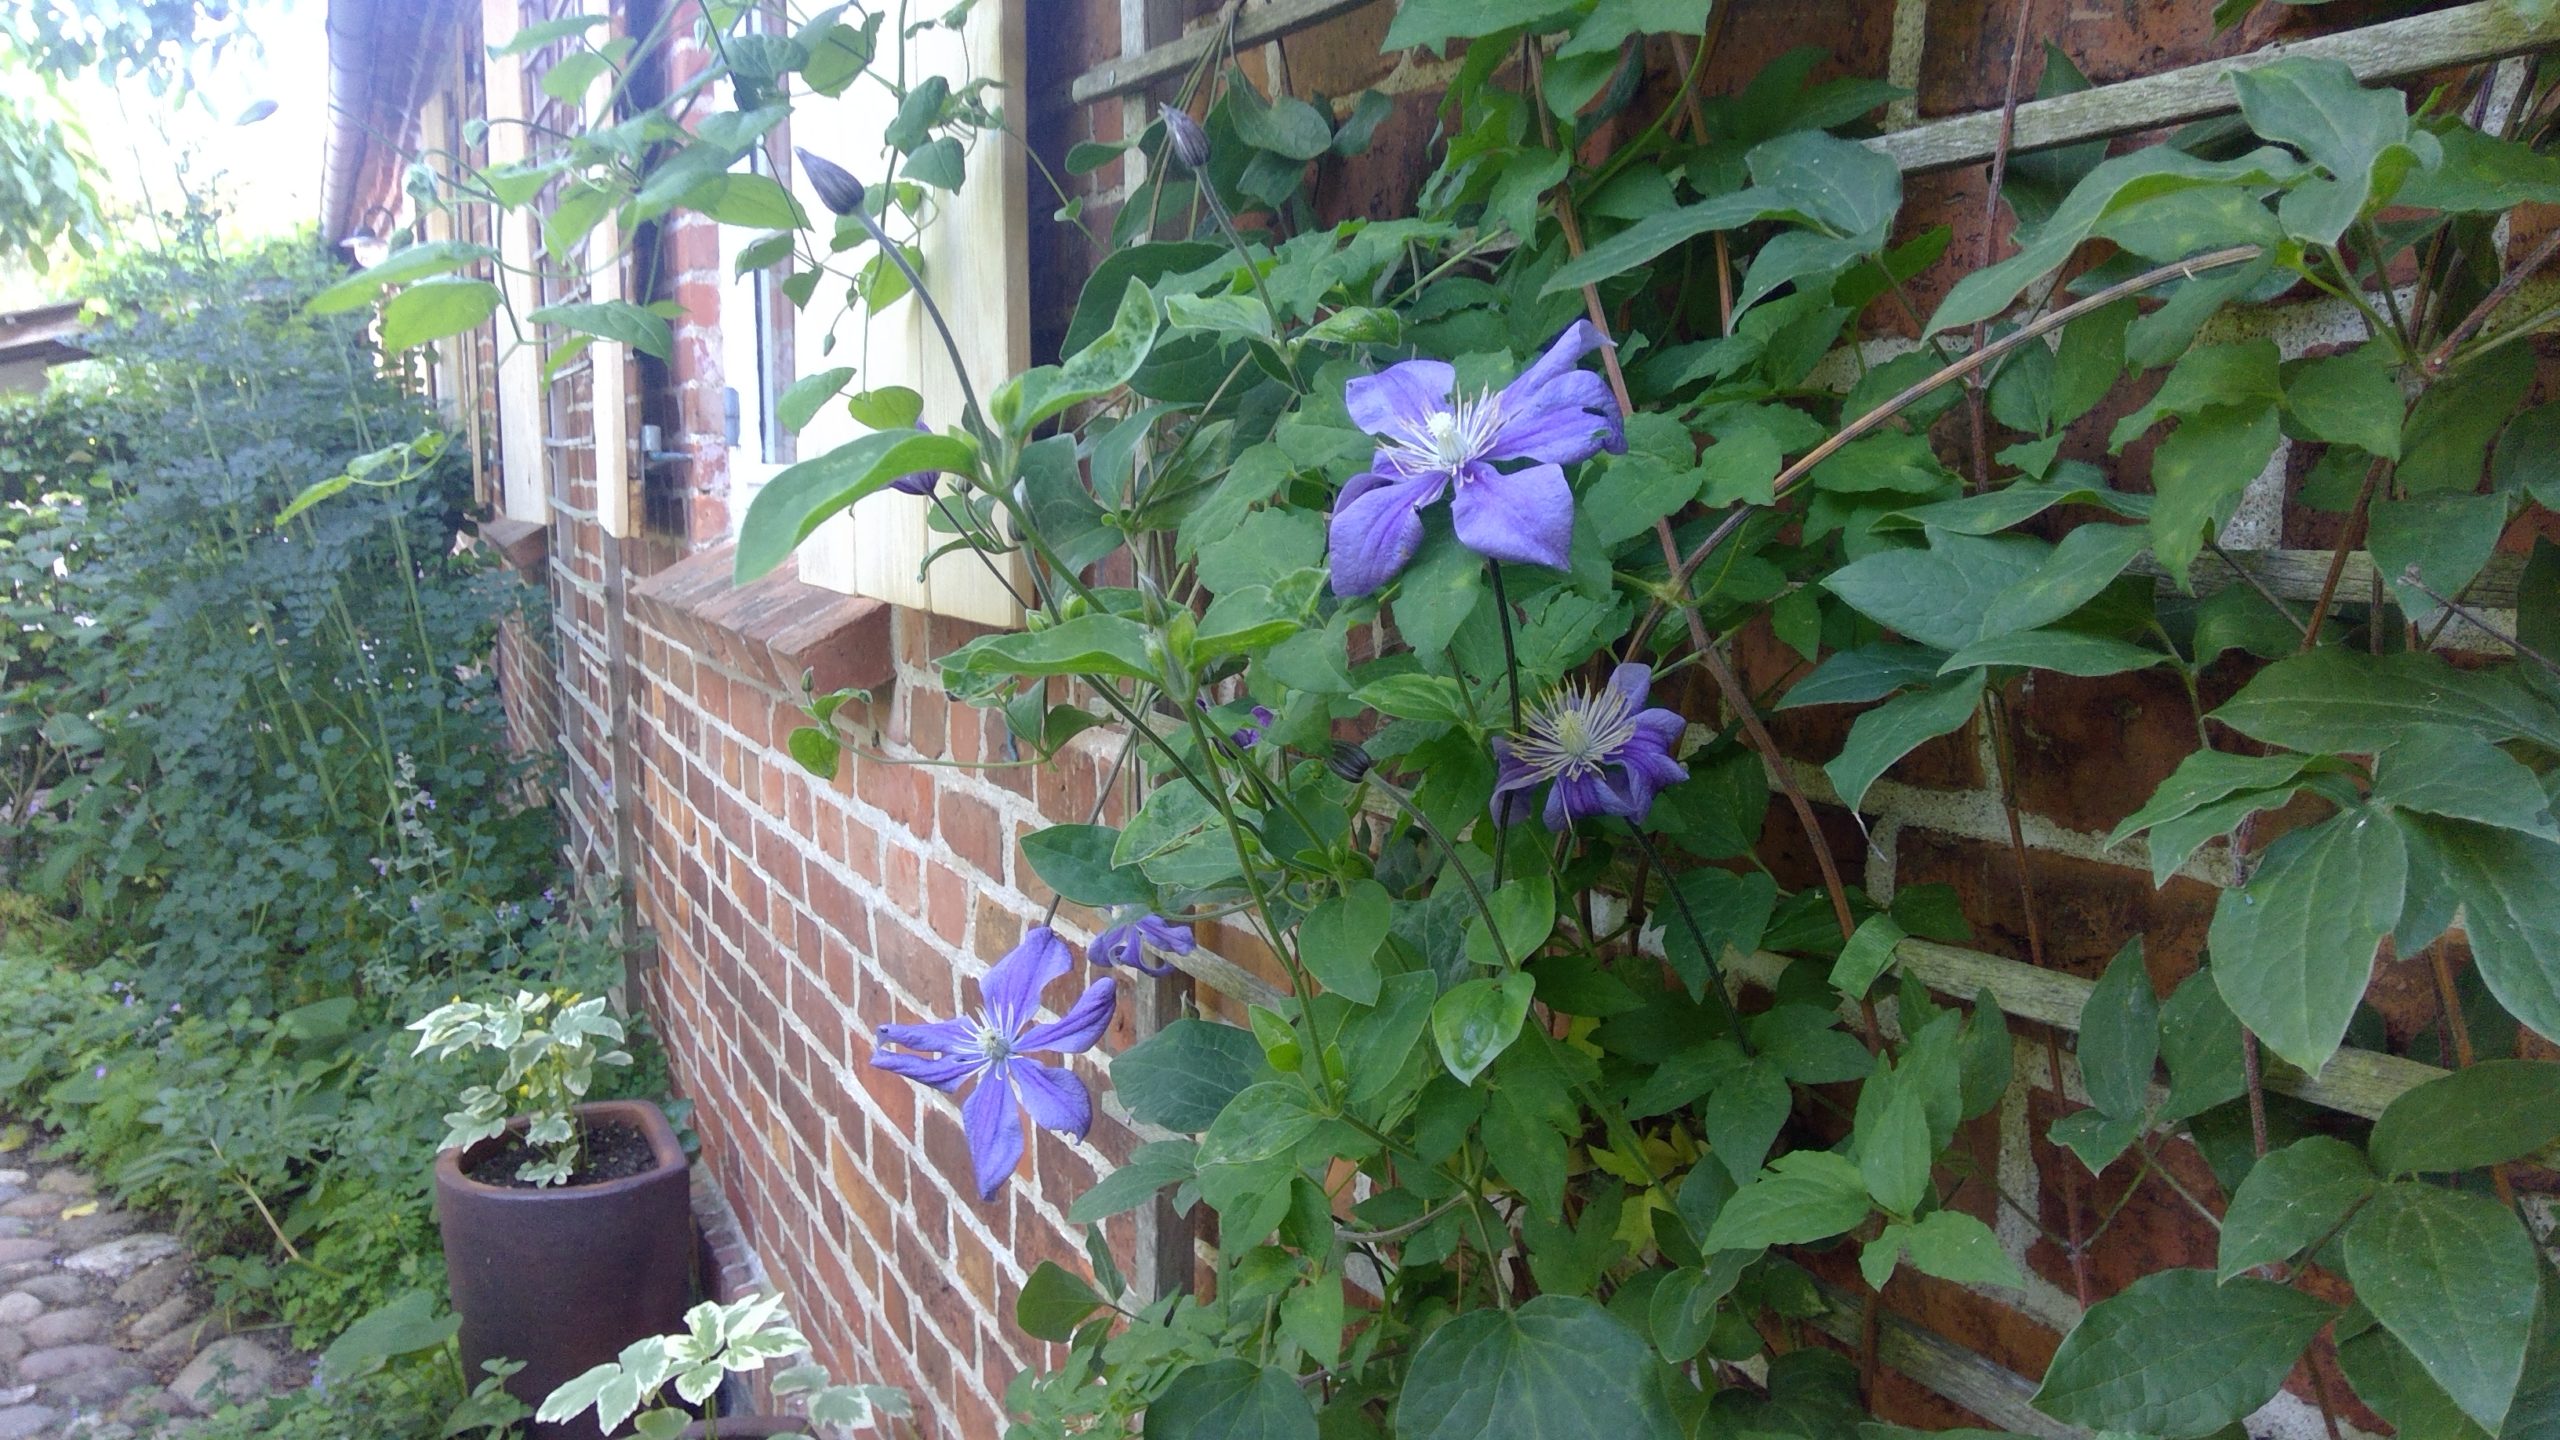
(1993, 1392)
(2464, 35)
(2355, 1082)
(2297, 575)
(1123, 74)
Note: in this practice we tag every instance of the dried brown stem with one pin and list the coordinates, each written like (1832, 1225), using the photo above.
(2506, 287)
(2347, 537)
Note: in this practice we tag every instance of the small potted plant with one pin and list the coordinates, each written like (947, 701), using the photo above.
(717, 1341)
(568, 1227)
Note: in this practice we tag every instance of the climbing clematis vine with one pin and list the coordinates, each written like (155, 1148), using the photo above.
(993, 1048)
(1432, 440)
(1600, 752)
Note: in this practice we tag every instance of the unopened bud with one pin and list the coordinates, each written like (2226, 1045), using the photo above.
(1190, 142)
(1349, 762)
(836, 187)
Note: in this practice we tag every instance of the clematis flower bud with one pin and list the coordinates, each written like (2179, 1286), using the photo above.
(1190, 142)
(835, 185)
(1349, 762)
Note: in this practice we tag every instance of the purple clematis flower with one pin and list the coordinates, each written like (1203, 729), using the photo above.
(993, 1048)
(1131, 936)
(1248, 736)
(922, 481)
(1432, 440)
(1604, 753)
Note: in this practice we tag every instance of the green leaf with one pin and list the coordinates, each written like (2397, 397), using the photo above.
(404, 1325)
(2388, 1378)
(1099, 368)
(1656, 233)
(2080, 568)
(2065, 652)
(1937, 596)
(800, 497)
(1054, 1302)
(1151, 1167)
(1740, 469)
(941, 162)
(2446, 771)
(2294, 951)
(1887, 733)
(1284, 125)
(816, 750)
(2447, 538)
(1870, 672)
(757, 202)
(1807, 1195)
(1864, 958)
(800, 400)
(618, 320)
(1744, 1115)
(2453, 1277)
(2200, 1040)
(1558, 1368)
(2528, 459)
(1339, 940)
(543, 32)
(1416, 696)
(1075, 861)
(1231, 1400)
(2484, 1114)
(2120, 1035)
(1894, 1151)
(433, 309)
(1182, 1076)
(1525, 913)
(2504, 881)
(1086, 645)
(1948, 1244)
(1478, 1019)
(2177, 1356)
(1682, 1312)
(2292, 1200)
(2361, 137)
(2199, 473)
(2201, 779)
(2451, 426)
(414, 262)
(2341, 701)
(2350, 399)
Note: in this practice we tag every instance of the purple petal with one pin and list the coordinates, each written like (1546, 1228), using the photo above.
(994, 1127)
(1165, 935)
(1400, 397)
(941, 1074)
(1055, 1098)
(1633, 681)
(1376, 528)
(1514, 779)
(1569, 421)
(1119, 945)
(938, 1037)
(1012, 988)
(1525, 517)
(1083, 1023)
(1564, 355)
(1657, 739)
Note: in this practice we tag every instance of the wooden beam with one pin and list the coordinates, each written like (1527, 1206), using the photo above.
(1994, 1392)
(2298, 575)
(2464, 35)
(1124, 74)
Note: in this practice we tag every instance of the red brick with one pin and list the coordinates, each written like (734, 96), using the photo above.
(972, 829)
(2155, 1230)
(2087, 909)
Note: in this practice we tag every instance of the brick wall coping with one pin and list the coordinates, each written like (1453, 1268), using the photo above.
(773, 629)
(523, 544)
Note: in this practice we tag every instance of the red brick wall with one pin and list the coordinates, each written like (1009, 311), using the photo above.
(795, 916)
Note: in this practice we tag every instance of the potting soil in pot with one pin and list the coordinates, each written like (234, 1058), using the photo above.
(612, 1152)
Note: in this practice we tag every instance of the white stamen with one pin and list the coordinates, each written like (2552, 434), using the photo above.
(1574, 733)
(1449, 440)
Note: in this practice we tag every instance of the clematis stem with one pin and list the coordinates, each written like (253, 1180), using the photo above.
(1697, 935)
(1511, 667)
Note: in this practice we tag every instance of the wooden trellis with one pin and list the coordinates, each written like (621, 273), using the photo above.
(2354, 1082)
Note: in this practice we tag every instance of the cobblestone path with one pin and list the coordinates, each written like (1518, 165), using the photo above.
(101, 1335)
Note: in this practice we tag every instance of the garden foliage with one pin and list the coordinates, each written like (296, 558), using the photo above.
(1514, 1154)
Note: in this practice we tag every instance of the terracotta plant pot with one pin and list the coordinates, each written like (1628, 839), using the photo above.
(562, 1278)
